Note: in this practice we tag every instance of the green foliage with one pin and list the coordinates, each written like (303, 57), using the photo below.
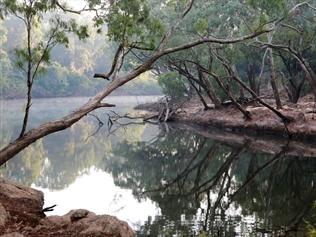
(173, 84)
(143, 85)
(44, 29)
(129, 21)
(204, 234)
(310, 223)
(201, 25)
(66, 69)
(274, 6)
(21, 57)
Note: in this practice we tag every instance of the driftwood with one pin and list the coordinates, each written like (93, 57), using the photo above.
(167, 109)
(240, 100)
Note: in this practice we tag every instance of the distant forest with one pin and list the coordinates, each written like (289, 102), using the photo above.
(71, 69)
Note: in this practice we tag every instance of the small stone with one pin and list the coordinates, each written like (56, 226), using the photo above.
(78, 214)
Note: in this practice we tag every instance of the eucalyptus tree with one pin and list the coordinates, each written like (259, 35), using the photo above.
(199, 65)
(131, 18)
(299, 34)
(35, 52)
(291, 41)
(205, 21)
(293, 35)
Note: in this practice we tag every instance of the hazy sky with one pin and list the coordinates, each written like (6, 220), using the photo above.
(75, 3)
(78, 5)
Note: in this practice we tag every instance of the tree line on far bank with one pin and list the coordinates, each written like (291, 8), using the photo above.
(70, 68)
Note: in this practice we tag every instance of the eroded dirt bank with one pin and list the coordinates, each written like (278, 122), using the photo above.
(264, 121)
(21, 215)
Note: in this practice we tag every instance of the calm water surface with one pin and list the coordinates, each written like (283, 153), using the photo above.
(166, 180)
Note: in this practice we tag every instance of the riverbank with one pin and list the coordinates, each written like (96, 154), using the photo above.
(22, 215)
(264, 121)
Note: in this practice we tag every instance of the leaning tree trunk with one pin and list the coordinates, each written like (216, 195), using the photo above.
(227, 91)
(254, 95)
(206, 107)
(27, 108)
(304, 64)
(29, 80)
(211, 92)
(273, 81)
(310, 74)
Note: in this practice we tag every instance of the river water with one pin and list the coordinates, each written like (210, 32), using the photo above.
(166, 180)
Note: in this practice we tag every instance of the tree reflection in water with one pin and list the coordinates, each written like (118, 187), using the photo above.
(207, 188)
(217, 185)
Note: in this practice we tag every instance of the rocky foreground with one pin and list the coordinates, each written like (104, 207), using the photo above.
(21, 215)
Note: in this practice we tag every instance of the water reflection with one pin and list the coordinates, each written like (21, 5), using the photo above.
(203, 186)
(169, 181)
(97, 192)
(57, 160)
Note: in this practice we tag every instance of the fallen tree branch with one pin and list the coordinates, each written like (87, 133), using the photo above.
(114, 120)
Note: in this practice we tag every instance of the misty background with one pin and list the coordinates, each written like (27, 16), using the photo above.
(71, 69)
